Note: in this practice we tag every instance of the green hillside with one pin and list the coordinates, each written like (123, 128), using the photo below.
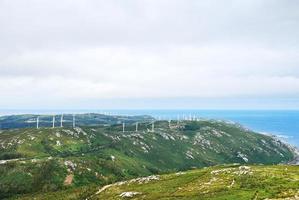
(215, 183)
(59, 159)
(225, 182)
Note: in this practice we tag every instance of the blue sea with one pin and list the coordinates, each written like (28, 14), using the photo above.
(283, 123)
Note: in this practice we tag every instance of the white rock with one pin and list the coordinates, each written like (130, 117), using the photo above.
(58, 143)
(129, 194)
(70, 165)
(112, 158)
(189, 155)
(243, 156)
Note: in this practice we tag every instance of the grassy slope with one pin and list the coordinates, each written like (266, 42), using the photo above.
(216, 183)
(230, 182)
(103, 155)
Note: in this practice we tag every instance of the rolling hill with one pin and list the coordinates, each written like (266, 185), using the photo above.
(86, 157)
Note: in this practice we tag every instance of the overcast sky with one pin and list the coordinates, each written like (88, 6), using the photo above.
(149, 54)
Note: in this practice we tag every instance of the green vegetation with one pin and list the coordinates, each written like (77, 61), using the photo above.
(226, 182)
(18, 178)
(215, 183)
(67, 161)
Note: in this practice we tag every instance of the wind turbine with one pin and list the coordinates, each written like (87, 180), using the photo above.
(123, 127)
(74, 121)
(61, 120)
(136, 126)
(53, 122)
(37, 122)
(153, 126)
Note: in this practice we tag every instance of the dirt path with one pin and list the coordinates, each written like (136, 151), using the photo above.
(68, 179)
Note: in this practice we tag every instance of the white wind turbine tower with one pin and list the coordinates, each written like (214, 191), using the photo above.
(53, 122)
(169, 123)
(74, 121)
(37, 122)
(123, 127)
(136, 126)
(153, 126)
(61, 120)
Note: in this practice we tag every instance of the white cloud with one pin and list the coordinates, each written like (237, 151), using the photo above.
(90, 50)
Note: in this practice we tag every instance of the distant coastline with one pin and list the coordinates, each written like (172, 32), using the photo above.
(282, 123)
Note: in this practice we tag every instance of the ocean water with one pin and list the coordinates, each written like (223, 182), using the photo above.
(283, 123)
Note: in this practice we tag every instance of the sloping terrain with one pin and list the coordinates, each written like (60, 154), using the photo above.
(223, 182)
(52, 159)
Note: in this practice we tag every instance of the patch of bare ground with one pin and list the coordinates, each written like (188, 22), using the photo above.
(68, 179)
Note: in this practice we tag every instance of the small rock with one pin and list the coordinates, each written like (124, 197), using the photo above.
(129, 194)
